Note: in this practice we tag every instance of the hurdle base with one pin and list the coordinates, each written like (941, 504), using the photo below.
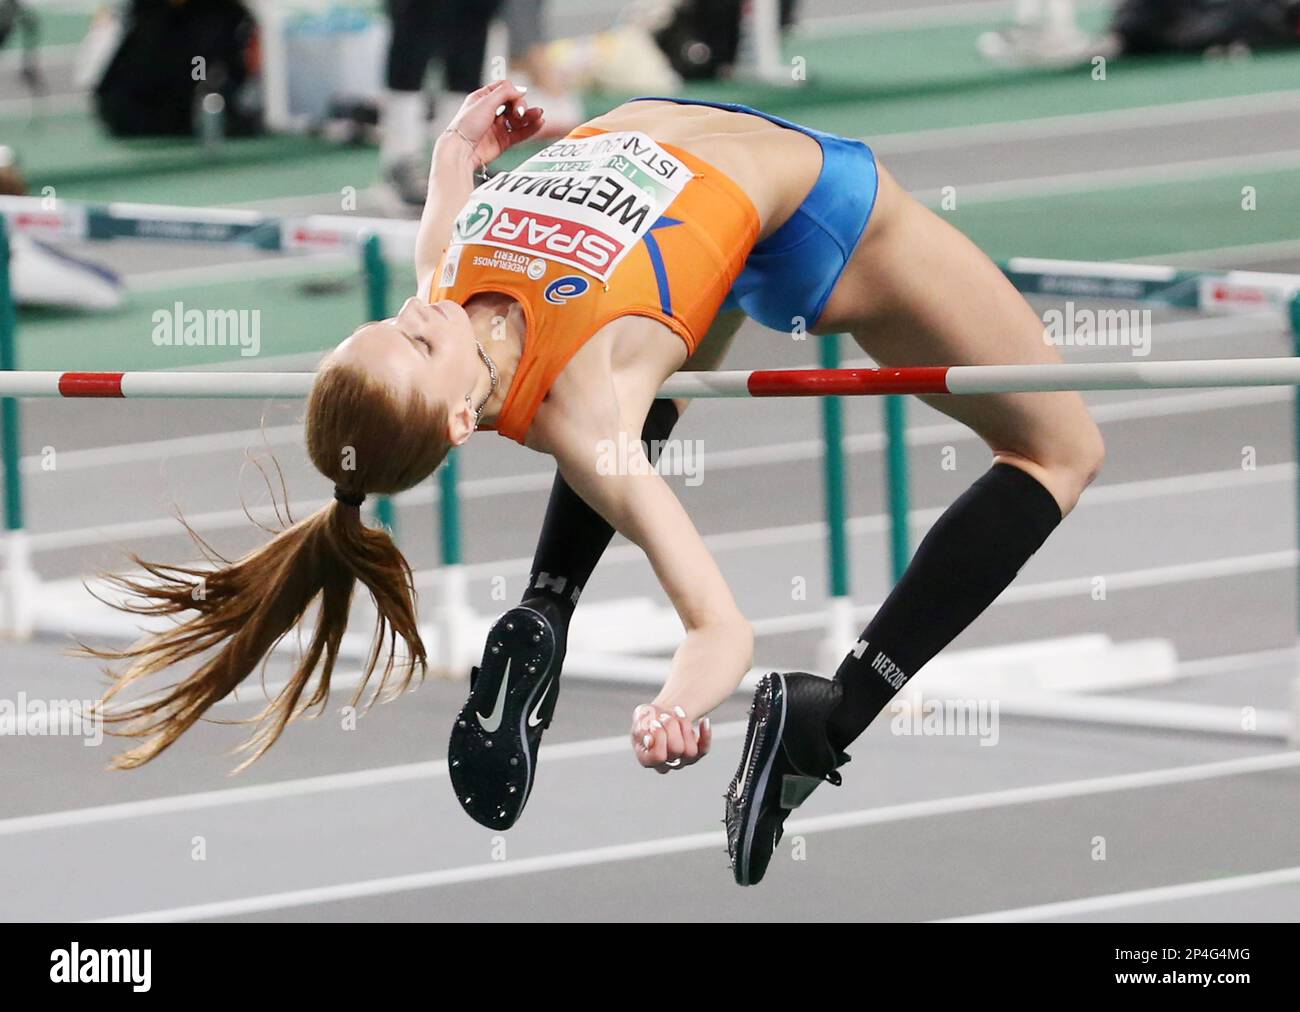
(454, 623)
(1293, 738)
(19, 585)
(842, 631)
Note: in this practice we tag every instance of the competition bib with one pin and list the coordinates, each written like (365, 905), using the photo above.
(583, 203)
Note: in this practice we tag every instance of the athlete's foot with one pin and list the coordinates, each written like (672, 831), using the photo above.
(786, 756)
(492, 757)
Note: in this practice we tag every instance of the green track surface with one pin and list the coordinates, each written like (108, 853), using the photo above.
(60, 28)
(294, 320)
(1139, 221)
(860, 85)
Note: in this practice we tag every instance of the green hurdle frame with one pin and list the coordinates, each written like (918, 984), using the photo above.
(376, 272)
(10, 419)
(1294, 313)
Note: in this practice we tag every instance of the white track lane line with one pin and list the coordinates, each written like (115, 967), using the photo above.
(1077, 587)
(1069, 183)
(154, 450)
(355, 780)
(1130, 118)
(970, 12)
(1203, 667)
(715, 838)
(1138, 897)
(1048, 590)
(1235, 257)
(920, 520)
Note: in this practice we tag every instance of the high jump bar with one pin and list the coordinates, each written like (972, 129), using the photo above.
(958, 379)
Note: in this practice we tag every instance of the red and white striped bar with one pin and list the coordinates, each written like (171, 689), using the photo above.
(960, 379)
(157, 385)
(986, 379)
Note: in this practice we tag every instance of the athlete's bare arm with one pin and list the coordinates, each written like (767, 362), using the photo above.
(476, 136)
(637, 502)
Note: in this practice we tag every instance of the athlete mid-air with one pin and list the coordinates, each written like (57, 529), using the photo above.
(554, 300)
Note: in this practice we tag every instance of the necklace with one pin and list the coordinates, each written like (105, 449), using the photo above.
(492, 379)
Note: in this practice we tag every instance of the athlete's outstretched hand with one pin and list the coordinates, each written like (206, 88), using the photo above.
(494, 119)
(667, 741)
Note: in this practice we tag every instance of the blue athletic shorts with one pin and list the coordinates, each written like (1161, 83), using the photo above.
(790, 275)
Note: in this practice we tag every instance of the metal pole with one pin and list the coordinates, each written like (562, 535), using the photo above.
(10, 425)
(896, 480)
(449, 529)
(18, 582)
(840, 630)
(833, 477)
(376, 271)
(1295, 687)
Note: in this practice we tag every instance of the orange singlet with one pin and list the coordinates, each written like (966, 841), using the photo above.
(597, 226)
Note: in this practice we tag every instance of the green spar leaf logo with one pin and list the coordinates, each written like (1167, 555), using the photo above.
(475, 221)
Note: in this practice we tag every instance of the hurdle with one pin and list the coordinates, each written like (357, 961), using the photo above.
(374, 240)
(959, 380)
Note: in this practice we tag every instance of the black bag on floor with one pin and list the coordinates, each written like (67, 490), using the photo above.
(172, 53)
(702, 37)
(1193, 26)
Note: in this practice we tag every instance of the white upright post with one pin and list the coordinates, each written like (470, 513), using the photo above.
(841, 633)
(1294, 738)
(454, 623)
(760, 44)
(18, 588)
(275, 64)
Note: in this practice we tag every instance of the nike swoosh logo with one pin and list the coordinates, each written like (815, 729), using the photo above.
(744, 768)
(533, 719)
(493, 720)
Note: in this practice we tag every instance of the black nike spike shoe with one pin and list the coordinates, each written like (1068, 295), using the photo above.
(492, 757)
(787, 755)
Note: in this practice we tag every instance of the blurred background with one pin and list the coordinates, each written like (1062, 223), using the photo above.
(1133, 693)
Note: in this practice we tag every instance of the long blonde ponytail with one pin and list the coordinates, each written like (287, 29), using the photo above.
(232, 614)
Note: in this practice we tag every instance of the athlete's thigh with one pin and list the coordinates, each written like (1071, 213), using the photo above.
(920, 293)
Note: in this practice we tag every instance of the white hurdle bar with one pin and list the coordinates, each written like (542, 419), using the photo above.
(963, 380)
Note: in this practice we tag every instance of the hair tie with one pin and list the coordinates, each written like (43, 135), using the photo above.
(349, 498)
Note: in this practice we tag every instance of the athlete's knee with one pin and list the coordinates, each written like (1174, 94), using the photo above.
(1074, 463)
(1084, 453)
(1066, 464)
(1092, 455)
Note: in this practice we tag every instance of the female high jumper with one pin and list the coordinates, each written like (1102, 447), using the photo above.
(553, 301)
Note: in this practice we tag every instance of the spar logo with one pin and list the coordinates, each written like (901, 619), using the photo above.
(315, 238)
(543, 235)
(1222, 294)
(561, 290)
(474, 221)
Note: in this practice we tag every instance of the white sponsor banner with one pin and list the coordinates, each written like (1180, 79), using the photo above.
(583, 203)
(1247, 290)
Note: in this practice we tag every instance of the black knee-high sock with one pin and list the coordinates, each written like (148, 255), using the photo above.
(966, 560)
(574, 536)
